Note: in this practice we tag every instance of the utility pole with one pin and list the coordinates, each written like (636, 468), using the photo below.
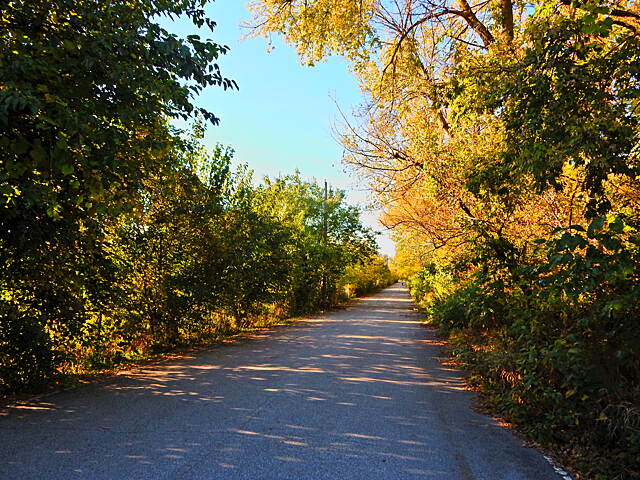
(323, 286)
(324, 214)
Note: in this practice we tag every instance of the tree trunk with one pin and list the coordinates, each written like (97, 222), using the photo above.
(507, 18)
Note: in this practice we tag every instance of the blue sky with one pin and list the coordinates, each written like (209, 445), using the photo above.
(282, 117)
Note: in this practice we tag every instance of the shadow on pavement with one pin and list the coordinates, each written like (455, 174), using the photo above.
(359, 393)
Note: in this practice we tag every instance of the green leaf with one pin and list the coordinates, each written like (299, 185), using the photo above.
(595, 226)
(38, 154)
(67, 169)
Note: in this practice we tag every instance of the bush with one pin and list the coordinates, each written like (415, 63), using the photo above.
(365, 278)
(556, 346)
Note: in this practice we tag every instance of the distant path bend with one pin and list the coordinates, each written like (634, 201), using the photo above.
(354, 394)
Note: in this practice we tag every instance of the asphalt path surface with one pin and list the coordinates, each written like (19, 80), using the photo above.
(355, 394)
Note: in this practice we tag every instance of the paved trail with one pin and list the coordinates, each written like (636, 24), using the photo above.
(356, 394)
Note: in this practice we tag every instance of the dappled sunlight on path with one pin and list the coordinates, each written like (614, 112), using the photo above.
(357, 393)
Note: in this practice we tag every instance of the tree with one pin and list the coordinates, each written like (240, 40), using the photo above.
(456, 103)
(86, 91)
(327, 236)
